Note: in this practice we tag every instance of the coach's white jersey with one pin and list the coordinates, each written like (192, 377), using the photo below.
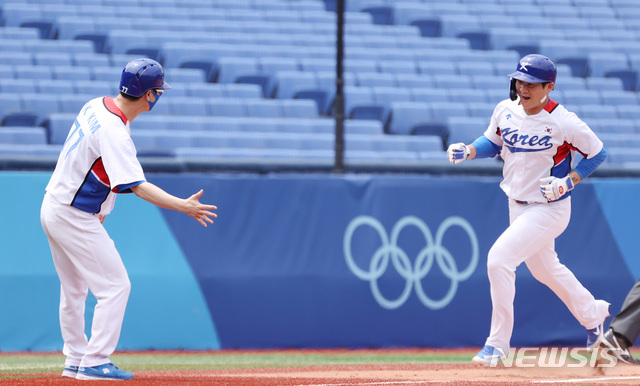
(98, 159)
(537, 146)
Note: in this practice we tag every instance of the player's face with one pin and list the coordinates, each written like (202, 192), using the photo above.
(533, 96)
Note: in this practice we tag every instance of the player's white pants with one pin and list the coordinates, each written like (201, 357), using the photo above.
(85, 259)
(531, 238)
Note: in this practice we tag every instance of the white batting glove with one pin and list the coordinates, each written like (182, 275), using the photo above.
(457, 152)
(552, 188)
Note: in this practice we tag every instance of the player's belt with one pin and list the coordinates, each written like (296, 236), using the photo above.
(521, 202)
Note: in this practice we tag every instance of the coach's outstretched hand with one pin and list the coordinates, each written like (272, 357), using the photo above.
(199, 211)
(191, 206)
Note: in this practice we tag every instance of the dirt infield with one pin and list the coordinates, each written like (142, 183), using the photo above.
(460, 374)
(352, 374)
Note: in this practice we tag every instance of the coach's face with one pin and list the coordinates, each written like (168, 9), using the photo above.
(533, 96)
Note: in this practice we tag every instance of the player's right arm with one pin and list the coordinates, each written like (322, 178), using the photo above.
(190, 206)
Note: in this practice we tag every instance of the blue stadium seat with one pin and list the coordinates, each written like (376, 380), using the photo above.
(42, 104)
(23, 135)
(441, 111)
(612, 126)
(58, 127)
(414, 81)
(96, 88)
(503, 37)
(191, 106)
(314, 64)
(231, 68)
(628, 111)
(15, 58)
(437, 67)
(24, 85)
(375, 79)
(268, 108)
(598, 111)
(108, 73)
(476, 68)
(397, 67)
(466, 129)
(227, 107)
(430, 94)
(602, 62)
(356, 96)
(54, 86)
(90, 60)
(453, 81)
(72, 73)
(622, 155)
(406, 115)
(205, 90)
(467, 95)
(32, 72)
(242, 90)
(52, 59)
(597, 83)
(299, 108)
(6, 71)
(615, 98)
(582, 97)
(628, 78)
(480, 109)
(287, 83)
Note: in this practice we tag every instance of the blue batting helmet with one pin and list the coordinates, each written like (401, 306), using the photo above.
(142, 75)
(532, 68)
(535, 69)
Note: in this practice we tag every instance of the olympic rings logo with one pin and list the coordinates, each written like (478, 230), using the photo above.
(433, 251)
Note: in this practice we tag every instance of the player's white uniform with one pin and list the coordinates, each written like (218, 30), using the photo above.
(98, 160)
(534, 147)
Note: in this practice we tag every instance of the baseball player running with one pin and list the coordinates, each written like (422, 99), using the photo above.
(97, 161)
(535, 137)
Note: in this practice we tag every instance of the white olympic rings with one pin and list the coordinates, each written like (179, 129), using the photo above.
(389, 250)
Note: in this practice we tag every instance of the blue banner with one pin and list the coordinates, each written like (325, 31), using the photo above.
(318, 261)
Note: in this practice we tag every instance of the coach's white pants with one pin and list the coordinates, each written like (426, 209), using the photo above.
(531, 238)
(85, 259)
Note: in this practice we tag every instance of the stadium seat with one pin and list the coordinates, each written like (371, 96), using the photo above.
(598, 111)
(628, 78)
(466, 129)
(191, 106)
(628, 111)
(375, 79)
(615, 98)
(241, 90)
(299, 108)
(23, 135)
(465, 95)
(602, 62)
(41, 104)
(596, 83)
(227, 107)
(429, 94)
(437, 129)
(287, 83)
(267, 108)
(441, 111)
(229, 69)
(581, 97)
(404, 116)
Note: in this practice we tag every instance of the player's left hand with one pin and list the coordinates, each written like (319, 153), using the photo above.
(552, 188)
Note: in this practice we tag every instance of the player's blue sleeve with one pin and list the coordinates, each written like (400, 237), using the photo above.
(485, 148)
(587, 166)
(126, 188)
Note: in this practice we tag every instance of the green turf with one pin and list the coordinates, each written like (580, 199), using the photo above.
(12, 365)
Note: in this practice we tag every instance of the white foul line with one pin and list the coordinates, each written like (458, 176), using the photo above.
(587, 380)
